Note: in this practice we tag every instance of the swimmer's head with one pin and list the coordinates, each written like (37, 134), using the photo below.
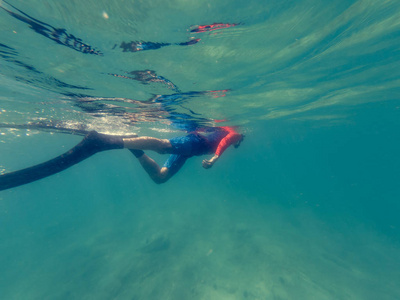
(237, 144)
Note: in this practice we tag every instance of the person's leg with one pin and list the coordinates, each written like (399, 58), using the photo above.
(162, 146)
(157, 174)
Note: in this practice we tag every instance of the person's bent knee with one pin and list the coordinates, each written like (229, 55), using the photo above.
(160, 179)
(162, 176)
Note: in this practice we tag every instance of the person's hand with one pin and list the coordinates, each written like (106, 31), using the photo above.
(208, 163)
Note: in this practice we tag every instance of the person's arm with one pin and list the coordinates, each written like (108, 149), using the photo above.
(208, 163)
(232, 138)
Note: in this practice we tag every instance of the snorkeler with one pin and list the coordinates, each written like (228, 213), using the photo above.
(196, 143)
(209, 141)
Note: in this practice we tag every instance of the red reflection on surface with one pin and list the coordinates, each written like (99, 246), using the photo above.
(218, 93)
(212, 27)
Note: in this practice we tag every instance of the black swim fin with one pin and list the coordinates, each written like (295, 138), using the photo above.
(92, 143)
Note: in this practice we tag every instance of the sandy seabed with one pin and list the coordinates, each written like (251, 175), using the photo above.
(210, 249)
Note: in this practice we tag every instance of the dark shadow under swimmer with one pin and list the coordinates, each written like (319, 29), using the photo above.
(180, 148)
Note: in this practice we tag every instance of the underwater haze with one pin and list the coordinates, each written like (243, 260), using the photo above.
(306, 208)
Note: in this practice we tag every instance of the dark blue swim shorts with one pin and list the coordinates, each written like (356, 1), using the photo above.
(190, 145)
(185, 147)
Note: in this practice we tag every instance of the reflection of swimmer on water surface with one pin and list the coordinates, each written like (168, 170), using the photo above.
(211, 27)
(168, 109)
(167, 104)
(58, 35)
(147, 77)
(62, 37)
(135, 46)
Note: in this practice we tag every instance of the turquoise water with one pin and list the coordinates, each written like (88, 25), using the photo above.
(306, 208)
